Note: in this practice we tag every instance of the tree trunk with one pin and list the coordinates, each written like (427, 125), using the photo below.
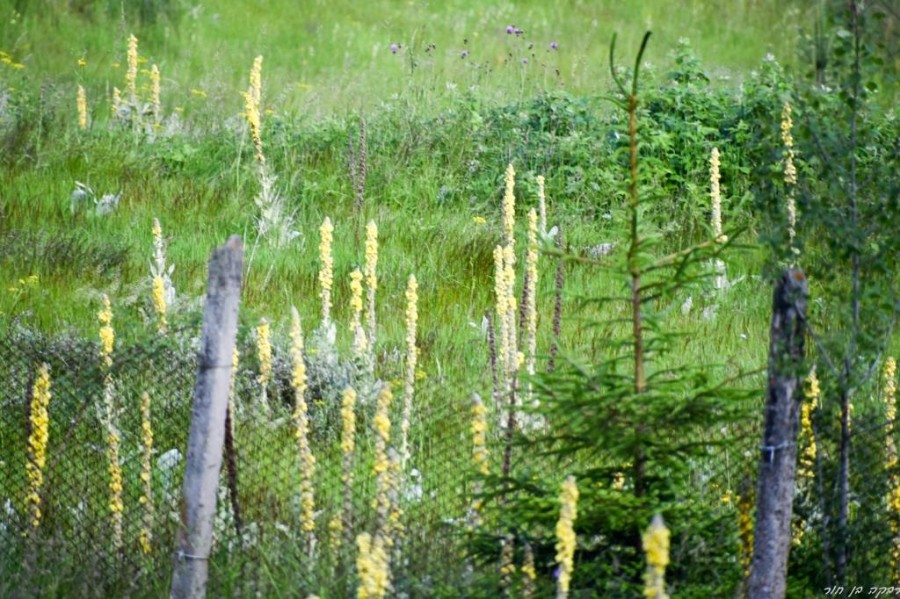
(778, 460)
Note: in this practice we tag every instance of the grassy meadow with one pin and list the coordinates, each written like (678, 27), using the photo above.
(448, 94)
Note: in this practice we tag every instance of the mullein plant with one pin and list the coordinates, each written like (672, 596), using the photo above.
(340, 527)
(637, 397)
(542, 205)
(507, 564)
(372, 567)
(479, 458)
(264, 353)
(128, 109)
(301, 433)
(81, 105)
(38, 439)
(371, 278)
(889, 394)
(357, 331)
(790, 174)
(382, 463)
(656, 547)
(110, 420)
(385, 470)
(155, 104)
(162, 289)
(721, 278)
(530, 293)
(409, 384)
(529, 572)
(745, 505)
(116, 102)
(145, 537)
(806, 462)
(132, 69)
(326, 271)
(273, 223)
(565, 536)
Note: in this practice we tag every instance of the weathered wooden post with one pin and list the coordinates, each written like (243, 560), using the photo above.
(204, 453)
(778, 460)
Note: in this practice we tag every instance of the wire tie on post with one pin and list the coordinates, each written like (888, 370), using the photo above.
(770, 450)
(181, 555)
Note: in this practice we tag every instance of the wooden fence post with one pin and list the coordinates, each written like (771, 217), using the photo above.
(778, 460)
(204, 452)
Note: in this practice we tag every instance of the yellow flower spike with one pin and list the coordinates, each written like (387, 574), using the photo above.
(507, 563)
(372, 567)
(146, 499)
(889, 395)
(656, 547)
(364, 565)
(509, 260)
(348, 445)
(264, 352)
(131, 74)
(529, 573)
(787, 138)
(82, 108)
(116, 487)
(252, 100)
(301, 422)
(745, 529)
(159, 303)
(326, 271)
(412, 317)
(790, 172)
(890, 391)
(565, 535)
(509, 206)
(348, 421)
(531, 261)
(154, 94)
(715, 194)
(479, 436)
(107, 333)
(116, 101)
(807, 439)
(38, 440)
(502, 307)
(381, 467)
(479, 456)
(542, 205)
(356, 308)
(335, 532)
(371, 273)
(110, 418)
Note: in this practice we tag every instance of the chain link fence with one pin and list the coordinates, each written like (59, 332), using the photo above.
(260, 546)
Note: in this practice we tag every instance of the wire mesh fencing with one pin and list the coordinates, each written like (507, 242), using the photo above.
(262, 543)
(62, 534)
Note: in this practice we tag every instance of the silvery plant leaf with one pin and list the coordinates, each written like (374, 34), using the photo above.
(601, 249)
(80, 196)
(107, 204)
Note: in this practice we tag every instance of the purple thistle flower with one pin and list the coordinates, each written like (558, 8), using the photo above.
(554, 45)
(510, 29)
(518, 31)
(395, 48)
